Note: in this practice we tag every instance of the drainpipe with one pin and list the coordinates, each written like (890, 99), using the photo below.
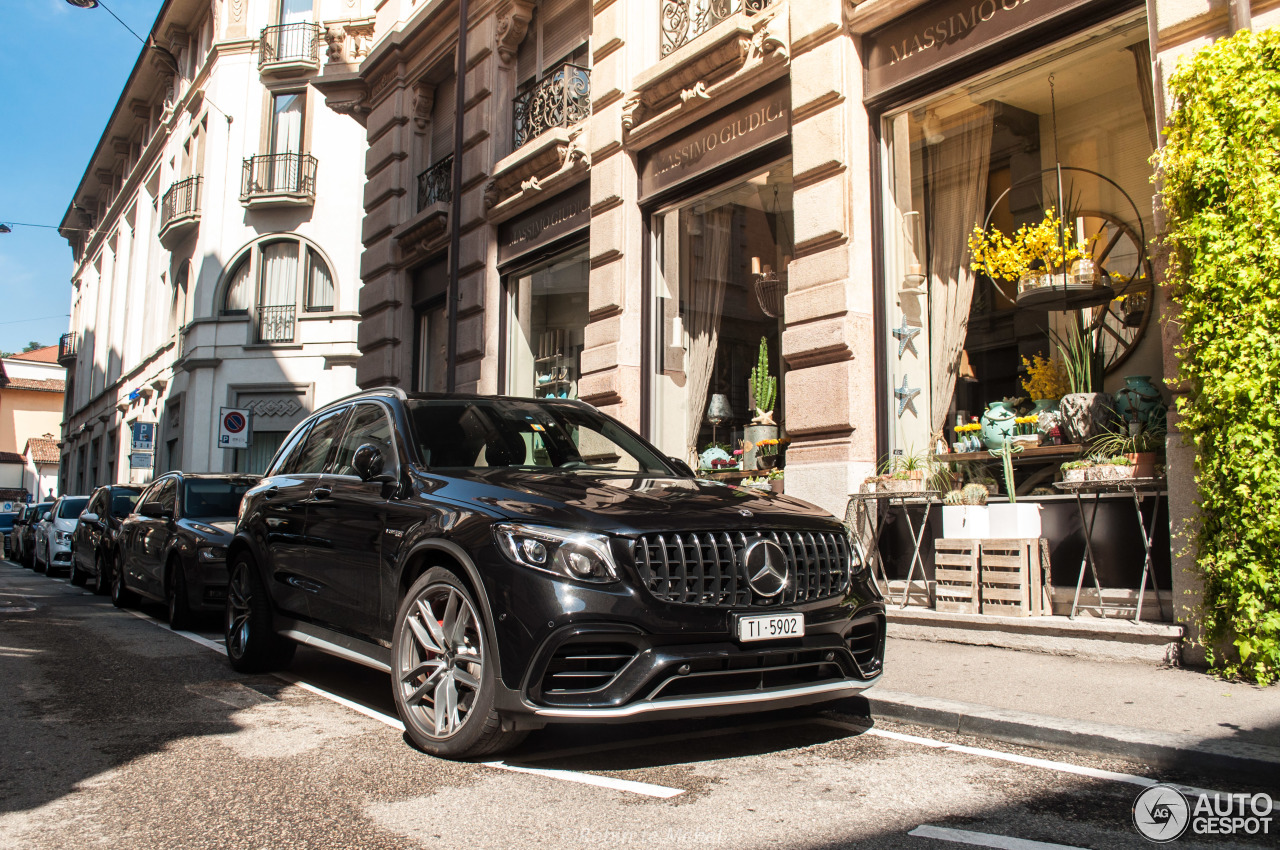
(455, 221)
(1240, 15)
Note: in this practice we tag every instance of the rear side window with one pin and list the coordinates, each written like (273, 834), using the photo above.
(321, 439)
(122, 502)
(71, 508)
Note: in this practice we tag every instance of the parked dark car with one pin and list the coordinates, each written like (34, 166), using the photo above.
(93, 543)
(15, 535)
(35, 513)
(7, 519)
(173, 547)
(515, 562)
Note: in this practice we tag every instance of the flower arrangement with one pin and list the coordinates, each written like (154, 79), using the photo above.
(1026, 424)
(967, 439)
(1046, 378)
(1005, 257)
(765, 448)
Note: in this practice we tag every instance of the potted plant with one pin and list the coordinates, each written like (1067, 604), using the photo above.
(1139, 445)
(1010, 519)
(768, 453)
(762, 391)
(964, 513)
(1085, 414)
(1032, 256)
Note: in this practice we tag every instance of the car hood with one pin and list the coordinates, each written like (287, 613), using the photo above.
(627, 504)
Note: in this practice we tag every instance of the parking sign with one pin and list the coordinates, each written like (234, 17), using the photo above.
(144, 436)
(233, 428)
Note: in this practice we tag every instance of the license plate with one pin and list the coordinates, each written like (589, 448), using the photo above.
(770, 627)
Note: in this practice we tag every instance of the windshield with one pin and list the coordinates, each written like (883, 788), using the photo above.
(122, 502)
(213, 499)
(480, 433)
(71, 508)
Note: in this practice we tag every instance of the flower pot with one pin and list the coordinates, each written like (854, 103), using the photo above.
(754, 434)
(766, 461)
(1144, 464)
(1027, 441)
(1079, 473)
(1085, 416)
(965, 522)
(997, 424)
(1014, 520)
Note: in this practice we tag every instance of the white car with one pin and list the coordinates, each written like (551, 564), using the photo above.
(53, 534)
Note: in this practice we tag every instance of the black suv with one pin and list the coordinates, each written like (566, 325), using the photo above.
(513, 562)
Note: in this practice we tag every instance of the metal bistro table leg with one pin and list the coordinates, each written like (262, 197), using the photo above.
(1147, 567)
(1088, 554)
(874, 553)
(917, 538)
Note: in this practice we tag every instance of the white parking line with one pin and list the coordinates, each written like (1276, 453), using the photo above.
(985, 839)
(643, 788)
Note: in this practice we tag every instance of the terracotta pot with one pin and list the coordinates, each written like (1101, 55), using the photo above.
(1144, 464)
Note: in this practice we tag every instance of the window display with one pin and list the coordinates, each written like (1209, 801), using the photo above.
(549, 317)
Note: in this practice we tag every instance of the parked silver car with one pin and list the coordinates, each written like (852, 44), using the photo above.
(53, 534)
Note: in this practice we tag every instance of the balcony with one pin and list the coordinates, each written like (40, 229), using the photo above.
(276, 324)
(68, 345)
(684, 20)
(435, 185)
(289, 49)
(180, 211)
(560, 99)
(278, 179)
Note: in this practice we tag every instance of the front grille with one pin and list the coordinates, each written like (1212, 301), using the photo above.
(578, 667)
(752, 672)
(705, 567)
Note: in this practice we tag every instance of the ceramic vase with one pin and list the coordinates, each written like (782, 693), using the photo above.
(754, 434)
(1139, 400)
(1086, 416)
(997, 424)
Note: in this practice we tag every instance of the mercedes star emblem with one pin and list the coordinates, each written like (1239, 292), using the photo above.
(745, 512)
(766, 566)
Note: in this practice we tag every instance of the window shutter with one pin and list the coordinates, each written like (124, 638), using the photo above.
(566, 26)
(442, 109)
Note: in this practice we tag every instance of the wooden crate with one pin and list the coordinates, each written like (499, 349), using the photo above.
(1010, 576)
(955, 570)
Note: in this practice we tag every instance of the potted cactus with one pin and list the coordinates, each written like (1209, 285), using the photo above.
(964, 513)
(762, 389)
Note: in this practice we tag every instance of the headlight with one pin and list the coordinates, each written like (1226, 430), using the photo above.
(212, 553)
(577, 555)
(857, 559)
(62, 536)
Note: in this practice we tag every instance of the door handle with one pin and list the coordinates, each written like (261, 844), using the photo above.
(322, 492)
(271, 492)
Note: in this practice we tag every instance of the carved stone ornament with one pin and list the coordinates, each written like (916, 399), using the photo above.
(334, 39)
(512, 27)
(357, 108)
(275, 407)
(237, 10)
(424, 98)
(765, 44)
(630, 105)
(699, 90)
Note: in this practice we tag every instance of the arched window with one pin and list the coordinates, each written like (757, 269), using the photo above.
(275, 279)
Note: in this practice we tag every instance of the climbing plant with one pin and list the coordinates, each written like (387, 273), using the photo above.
(1220, 176)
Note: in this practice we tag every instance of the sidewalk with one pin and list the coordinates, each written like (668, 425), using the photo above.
(1166, 717)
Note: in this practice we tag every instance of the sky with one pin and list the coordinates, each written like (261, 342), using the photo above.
(63, 69)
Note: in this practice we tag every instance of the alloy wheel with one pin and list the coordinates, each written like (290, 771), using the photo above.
(239, 611)
(441, 662)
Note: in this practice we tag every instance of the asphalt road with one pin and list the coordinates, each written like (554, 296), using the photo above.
(119, 733)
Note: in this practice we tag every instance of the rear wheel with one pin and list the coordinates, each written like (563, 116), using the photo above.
(121, 595)
(39, 565)
(252, 644)
(77, 576)
(180, 616)
(443, 679)
(102, 581)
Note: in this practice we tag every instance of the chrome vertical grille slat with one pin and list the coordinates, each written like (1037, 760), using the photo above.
(705, 567)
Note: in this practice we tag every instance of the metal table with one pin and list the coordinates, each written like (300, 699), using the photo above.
(903, 498)
(1141, 489)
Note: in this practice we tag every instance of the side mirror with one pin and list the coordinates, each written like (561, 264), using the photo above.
(88, 516)
(155, 510)
(368, 464)
(681, 467)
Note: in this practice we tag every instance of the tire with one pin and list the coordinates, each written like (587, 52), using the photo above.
(181, 618)
(440, 639)
(252, 644)
(76, 576)
(121, 595)
(39, 565)
(102, 581)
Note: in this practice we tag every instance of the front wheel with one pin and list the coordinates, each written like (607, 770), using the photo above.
(443, 680)
(77, 577)
(102, 581)
(181, 618)
(121, 595)
(252, 644)
(39, 565)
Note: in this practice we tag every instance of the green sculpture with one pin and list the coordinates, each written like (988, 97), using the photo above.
(763, 387)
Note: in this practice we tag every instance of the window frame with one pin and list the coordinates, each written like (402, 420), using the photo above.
(309, 255)
(391, 462)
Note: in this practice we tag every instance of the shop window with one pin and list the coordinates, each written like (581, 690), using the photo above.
(1068, 129)
(718, 258)
(548, 321)
(431, 326)
(274, 280)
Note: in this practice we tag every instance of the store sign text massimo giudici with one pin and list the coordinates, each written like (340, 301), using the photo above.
(952, 27)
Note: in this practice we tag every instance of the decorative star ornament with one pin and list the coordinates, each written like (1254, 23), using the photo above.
(906, 336)
(906, 397)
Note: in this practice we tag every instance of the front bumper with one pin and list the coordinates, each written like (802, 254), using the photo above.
(59, 554)
(207, 586)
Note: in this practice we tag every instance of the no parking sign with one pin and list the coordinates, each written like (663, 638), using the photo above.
(233, 428)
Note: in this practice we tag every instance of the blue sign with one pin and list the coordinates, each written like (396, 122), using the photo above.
(144, 436)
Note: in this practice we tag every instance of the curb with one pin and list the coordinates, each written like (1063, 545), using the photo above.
(1257, 761)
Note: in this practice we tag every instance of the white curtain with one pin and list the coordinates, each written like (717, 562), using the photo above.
(295, 11)
(957, 168)
(710, 258)
(319, 283)
(238, 292)
(279, 274)
(286, 138)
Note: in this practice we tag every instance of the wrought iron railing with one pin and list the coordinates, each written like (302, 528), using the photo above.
(560, 99)
(278, 173)
(684, 20)
(275, 324)
(67, 346)
(289, 43)
(183, 198)
(436, 184)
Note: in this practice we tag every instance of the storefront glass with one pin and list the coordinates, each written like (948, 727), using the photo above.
(1069, 129)
(549, 315)
(717, 257)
